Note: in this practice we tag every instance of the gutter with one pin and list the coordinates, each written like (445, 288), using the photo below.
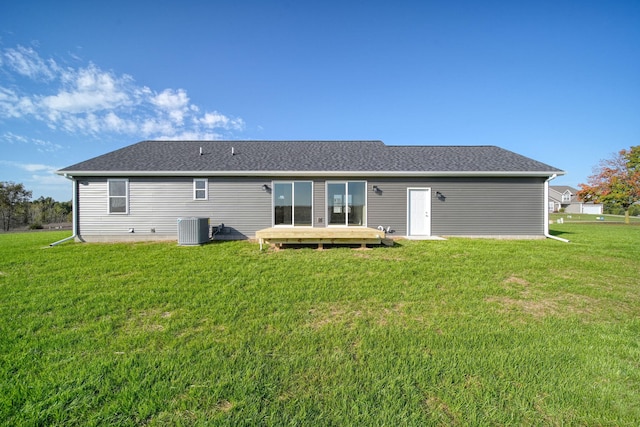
(546, 211)
(289, 173)
(74, 218)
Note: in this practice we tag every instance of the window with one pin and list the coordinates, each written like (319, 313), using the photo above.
(346, 203)
(118, 195)
(566, 197)
(200, 188)
(292, 203)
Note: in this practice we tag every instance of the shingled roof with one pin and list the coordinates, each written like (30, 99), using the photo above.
(305, 157)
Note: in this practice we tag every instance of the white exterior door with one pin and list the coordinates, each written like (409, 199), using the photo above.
(418, 212)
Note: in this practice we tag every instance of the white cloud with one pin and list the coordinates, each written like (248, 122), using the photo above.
(114, 123)
(217, 120)
(30, 167)
(156, 126)
(13, 138)
(175, 103)
(13, 105)
(49, 179)
(46, 146)
(41, 145)
(214, 119)
(192, 136)
(90, 89)
(91, 101)
(9, 103)
(26, 62)
(34, 167)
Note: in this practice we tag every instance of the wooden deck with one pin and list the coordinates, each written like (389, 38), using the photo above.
(349, 235)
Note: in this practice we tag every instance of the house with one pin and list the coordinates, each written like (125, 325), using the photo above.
(138, 192)
(565, 197)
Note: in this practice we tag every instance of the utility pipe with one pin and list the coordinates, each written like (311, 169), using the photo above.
(546, 211)
(74, 214)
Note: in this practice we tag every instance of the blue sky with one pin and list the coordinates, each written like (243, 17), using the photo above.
(558, 81)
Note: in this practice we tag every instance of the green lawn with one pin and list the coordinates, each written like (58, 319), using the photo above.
(568, 217)
(457, 332)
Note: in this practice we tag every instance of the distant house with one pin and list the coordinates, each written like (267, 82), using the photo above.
(565, 197)
(138, 192)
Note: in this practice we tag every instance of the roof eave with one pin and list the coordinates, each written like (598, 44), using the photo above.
(71, 173)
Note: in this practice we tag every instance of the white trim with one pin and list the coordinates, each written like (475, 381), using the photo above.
(346, 218)
(545, 212)
(541, 174)
(126, 196)
(418, 236)
(206, 189)
(293, 218)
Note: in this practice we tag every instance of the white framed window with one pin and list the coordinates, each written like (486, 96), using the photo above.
(200, 189)
(118, 196)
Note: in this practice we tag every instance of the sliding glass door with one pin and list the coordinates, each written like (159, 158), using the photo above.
(293, 203)
(346, 203)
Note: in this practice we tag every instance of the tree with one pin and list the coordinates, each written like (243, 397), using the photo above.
(13, 198)
(45, 210)
(615, 181)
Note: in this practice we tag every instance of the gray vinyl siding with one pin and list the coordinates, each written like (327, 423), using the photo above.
(319, 203)
(155, 204)
(496, 207)
(241, 205)
(471, 206)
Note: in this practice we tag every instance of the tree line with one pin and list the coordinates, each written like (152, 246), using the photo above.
(17, 210)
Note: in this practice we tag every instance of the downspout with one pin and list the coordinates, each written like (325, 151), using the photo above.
(74, 213)
(546, 211)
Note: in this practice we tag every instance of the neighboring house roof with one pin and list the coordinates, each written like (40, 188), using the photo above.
(306, 157)
(562, 188)
(557, 193)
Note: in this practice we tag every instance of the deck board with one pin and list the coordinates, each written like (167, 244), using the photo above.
(320, 236)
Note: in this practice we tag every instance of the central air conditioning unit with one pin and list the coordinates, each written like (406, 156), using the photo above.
(193, 231)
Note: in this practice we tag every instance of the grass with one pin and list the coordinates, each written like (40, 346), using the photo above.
(569, 217)
(457, 332)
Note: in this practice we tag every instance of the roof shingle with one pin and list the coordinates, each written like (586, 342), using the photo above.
(305, 156)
